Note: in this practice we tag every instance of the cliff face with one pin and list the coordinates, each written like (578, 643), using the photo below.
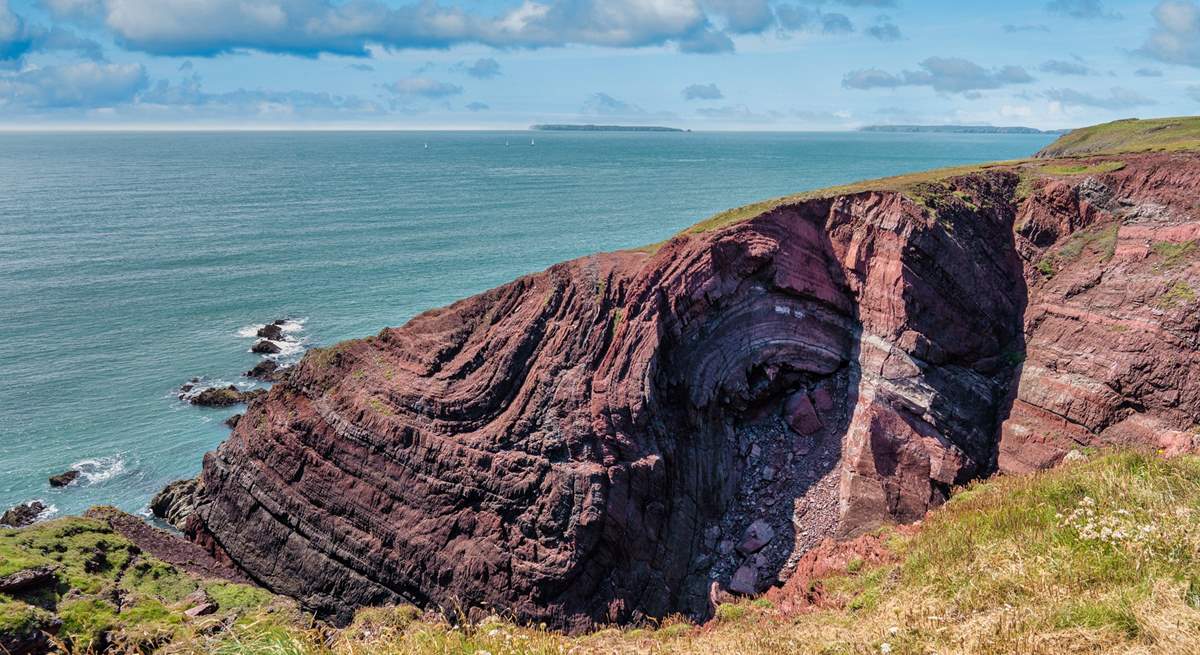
(628, 435)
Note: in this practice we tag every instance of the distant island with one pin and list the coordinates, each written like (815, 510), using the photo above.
(605, 128)
(959, 129)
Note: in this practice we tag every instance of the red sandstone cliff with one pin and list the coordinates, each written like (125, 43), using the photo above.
(612, 438)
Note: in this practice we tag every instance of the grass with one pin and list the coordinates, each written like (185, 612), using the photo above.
(1101, 556)
(1178, 295)
(97, 566)
(1132, 135)
(1098, 168)
(910, 184)
(1173, 254)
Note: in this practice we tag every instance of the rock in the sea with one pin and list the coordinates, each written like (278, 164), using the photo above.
(63, 479)
(559, 448)
(267, 370)
(22, 515)
(265, 347)
(232, 421)
(176, 502)
(225, 396)
(271, 331)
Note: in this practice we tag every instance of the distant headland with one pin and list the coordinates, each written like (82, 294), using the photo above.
(959, 129)
(605, 128)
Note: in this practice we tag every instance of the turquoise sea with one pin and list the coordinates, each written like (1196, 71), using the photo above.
(131, 262)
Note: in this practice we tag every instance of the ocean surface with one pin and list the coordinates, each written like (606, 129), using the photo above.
(132, 262)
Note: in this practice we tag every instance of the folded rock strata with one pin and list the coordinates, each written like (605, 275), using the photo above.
(597, 442)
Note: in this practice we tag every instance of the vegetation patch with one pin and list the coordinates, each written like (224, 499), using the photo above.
(1101, 241)
(1174, 254)
(1180, 294)
(1098, 168)
(1100, 556)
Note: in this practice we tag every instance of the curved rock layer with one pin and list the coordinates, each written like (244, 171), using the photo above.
(631, 435)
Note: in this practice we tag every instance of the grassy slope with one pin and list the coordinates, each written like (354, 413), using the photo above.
(1098, 557)
(1132, 135)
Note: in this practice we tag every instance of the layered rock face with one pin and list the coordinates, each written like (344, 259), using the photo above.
(631, 435)
(1113, 327)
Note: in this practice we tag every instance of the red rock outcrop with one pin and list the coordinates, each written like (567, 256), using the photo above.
(1113, 327)
(606, 440)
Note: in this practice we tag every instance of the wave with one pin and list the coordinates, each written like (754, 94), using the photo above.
(99, 469)
(46, 514)
(289, 326)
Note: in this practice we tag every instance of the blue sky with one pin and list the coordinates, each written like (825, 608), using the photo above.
(701, 64)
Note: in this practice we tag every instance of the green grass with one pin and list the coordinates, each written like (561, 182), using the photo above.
(1102, 241)
(95, 566)
(1132, 135)
(1178, 295)
(912, 184)
(1098, 168)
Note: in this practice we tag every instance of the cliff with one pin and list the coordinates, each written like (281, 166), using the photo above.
(636, 434)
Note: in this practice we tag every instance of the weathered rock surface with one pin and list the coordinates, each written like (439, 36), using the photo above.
(588, 444)
(27, 579)
(593, 443)
(22, 515)
(176, 502)
(1113, 327)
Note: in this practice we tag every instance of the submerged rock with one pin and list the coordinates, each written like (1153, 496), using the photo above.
(22, 515)
(63, 479)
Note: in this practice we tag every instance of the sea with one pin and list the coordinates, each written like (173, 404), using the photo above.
(131, 263)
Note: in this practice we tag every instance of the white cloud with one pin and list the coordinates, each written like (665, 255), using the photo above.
(85, 84)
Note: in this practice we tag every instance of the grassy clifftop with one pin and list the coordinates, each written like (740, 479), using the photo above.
(1098, 557)
(1131, 135)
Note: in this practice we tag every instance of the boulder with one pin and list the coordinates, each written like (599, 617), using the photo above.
(800, 414)
(744, 580)
(63, 479)
(232, 421)
(22, 515)
(27, 579)
(758, 535)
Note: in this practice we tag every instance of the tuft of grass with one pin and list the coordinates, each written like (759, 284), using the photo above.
(1102, 241)
(1178, 295)
(1173, 254)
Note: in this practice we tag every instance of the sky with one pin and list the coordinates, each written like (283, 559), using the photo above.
(497, 64)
